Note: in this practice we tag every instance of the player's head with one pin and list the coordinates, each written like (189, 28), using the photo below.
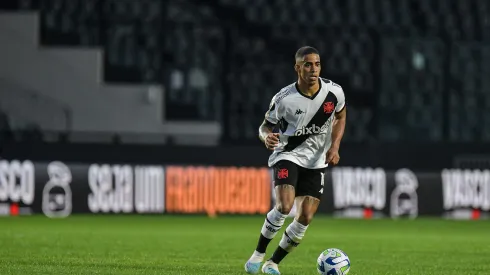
(308, 64)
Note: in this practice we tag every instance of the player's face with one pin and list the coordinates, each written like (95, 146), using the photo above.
(309, 68)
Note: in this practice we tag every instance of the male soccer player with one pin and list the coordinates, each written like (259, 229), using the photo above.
(311, 118)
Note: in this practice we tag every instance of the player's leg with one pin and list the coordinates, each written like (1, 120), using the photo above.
(310, 183)
(285, 178)
(296, 230)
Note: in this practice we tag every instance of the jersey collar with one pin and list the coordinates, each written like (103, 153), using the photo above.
(315, 94)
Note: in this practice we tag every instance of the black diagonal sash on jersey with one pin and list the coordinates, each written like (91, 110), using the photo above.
(318, 119)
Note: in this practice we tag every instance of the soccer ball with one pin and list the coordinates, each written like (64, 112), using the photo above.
(333, 261)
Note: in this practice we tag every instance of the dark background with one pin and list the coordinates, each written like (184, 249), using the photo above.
(415, 74)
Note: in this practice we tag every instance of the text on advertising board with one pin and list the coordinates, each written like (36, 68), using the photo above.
(215, 190)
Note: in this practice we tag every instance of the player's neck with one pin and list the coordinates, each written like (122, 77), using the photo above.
(307, 89)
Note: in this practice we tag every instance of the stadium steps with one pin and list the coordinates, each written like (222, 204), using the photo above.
(73, 77)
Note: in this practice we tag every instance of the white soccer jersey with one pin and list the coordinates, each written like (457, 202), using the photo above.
(305, 123)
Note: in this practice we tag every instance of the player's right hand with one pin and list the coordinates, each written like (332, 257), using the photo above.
(271, 141)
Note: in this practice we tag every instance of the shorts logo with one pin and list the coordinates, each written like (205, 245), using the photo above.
(328, 107)
(282, 173)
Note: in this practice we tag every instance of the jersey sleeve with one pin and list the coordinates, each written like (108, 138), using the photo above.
(340, 99)
(271, 114)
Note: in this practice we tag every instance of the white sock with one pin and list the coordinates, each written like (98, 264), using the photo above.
(257, 257)
(293, 236)
(273, 223)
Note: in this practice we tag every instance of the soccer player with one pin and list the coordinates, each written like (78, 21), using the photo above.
(310, 115)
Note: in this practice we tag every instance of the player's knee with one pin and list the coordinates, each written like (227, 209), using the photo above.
(305, 218)
(284, 208)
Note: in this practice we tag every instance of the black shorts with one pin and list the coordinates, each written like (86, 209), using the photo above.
(306, 182)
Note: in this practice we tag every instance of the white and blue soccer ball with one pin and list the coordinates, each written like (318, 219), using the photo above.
(333, 261)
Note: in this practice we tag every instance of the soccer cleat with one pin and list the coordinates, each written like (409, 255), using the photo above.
(252, 267)
(270, 267)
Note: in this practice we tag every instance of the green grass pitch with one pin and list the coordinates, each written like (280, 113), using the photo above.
(200, 245)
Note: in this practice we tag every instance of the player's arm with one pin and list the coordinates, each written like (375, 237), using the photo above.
(266, 134)
(338, 128)
(265, 129)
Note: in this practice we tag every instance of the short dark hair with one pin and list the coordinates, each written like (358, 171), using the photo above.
(301, 52)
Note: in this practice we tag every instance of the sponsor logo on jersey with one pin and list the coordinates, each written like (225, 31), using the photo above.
(283, 93)
(299, 112)
(312, 130)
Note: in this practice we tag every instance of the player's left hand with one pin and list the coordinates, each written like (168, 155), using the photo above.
(333, 156)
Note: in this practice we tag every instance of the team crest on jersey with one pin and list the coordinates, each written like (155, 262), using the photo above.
(328, 107)
(282, 173)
